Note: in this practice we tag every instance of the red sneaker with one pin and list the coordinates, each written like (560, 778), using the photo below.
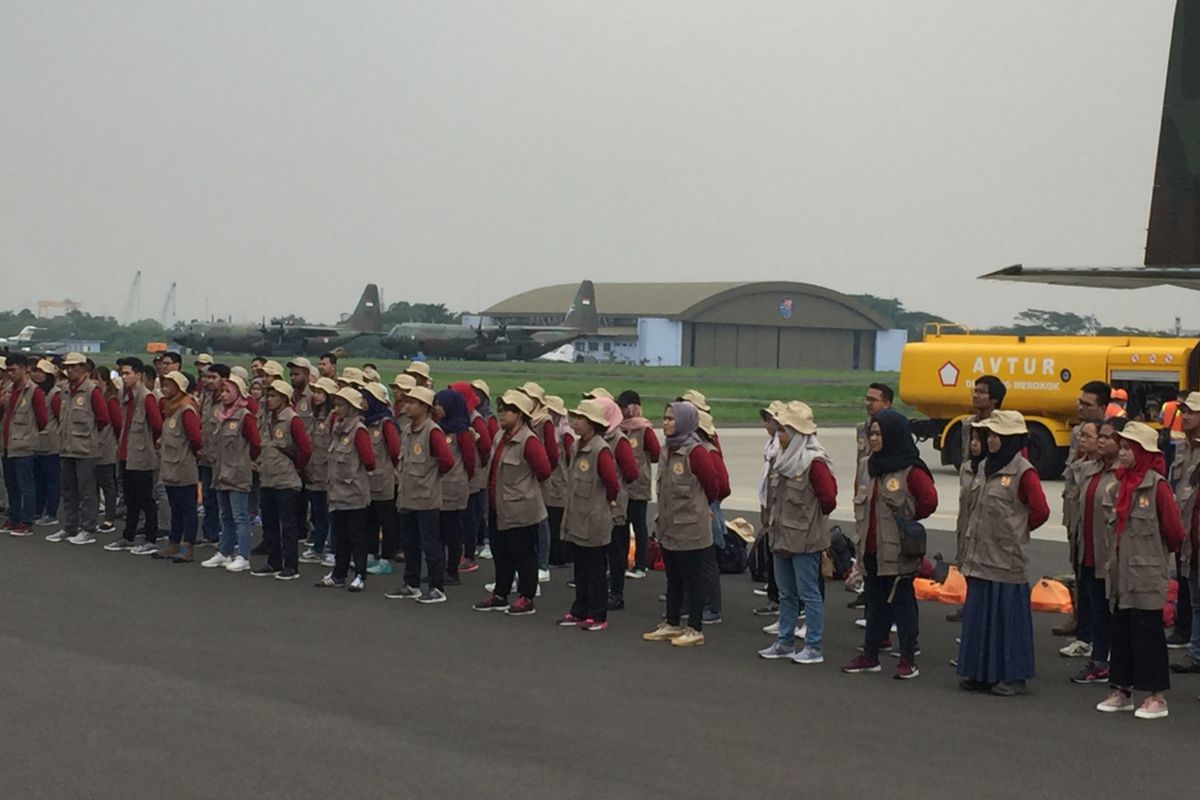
(592, 625)
(906, 671)
(492, 603)
(466, 565)
(569, 620)
(861, 664)
(523, 606)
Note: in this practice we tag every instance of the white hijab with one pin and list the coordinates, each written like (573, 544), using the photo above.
(799, 455)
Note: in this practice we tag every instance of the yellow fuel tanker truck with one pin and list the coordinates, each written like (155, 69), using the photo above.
(1043, 375)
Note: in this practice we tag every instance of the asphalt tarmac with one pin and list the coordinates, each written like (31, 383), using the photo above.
(125, 677)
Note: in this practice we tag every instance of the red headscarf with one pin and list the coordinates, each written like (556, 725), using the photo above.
(1130, 479)
(467, 391)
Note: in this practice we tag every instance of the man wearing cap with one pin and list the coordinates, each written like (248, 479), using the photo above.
(284, 456)
(25, 415)
(46, 468)
(420, 371)
(351, 461)
(179, 445)
(211, 380)
(82, 415)
(136, 450)
(426, 459)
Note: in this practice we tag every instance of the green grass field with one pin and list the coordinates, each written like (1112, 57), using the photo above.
(735, 395)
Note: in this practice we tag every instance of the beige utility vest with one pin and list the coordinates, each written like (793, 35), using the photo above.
(77, 422)
(276, 467)
(1138, 568)
(383, 479)
(317, 471)
(586, 520)
(49, 439)
(1081, 472)
(518, 496)
(479, 480)
(966, 503)
(684, 519)
(178, 466)
(554, 490)
(1103, 518)
(231, 464)
(302, 404)
(640, 488)
(454, 482)
(798, 525)
(997, 539)
(209, 422)
(891, 498)
(139, 445)
(1187, 461)
(22, 424)
(621, 507)
(420, 482)
(108, 441)
(348, 483)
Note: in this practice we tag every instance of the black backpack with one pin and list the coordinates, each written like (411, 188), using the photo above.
(841, 552)
(732, 558)
(760, 559)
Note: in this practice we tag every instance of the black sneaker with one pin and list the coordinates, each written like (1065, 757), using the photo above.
(287, 575)
(265, 571)
(1177, 641)
(1188, 666)
(452, 580)
(769, 610)
(860, 601)
(1091, 674)
(260, 549)
(616, 603)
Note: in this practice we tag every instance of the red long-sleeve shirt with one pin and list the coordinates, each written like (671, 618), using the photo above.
(493, 427)
(718, 462)
(568, 444)
(391, 440)
(38, 401)
(153, 421)
(114, 412)
(303, 444)
(191, 429)
(824, 486)
(250, 434)
(650, 444)
(535, 456)
(366, 453)
(925, 498)
(549, 443)
(1030, 493)
(483, 440)
(701, 463)
(626, 461)
(606, 468)
(466, 446)
(442, 452)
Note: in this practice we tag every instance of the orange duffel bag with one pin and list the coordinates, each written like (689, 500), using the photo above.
(925, 589)
(1050, 595)
(954, 588)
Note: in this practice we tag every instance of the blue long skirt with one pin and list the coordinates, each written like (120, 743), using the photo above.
(997, 633)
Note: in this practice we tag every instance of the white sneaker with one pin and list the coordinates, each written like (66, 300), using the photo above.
(218, 559)
(311, 557)
(239, 564)
(144, 549)
(83, 537)
(486, 552)
(802, 632)
(635, 574)
(772, 629)
(1076, 649)
(862, 623)
(57, 536)
(543, 576)
(329, 561)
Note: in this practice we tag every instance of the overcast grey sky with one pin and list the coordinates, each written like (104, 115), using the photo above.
(274, 156)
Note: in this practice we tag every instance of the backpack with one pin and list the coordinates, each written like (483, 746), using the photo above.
(732, 557)
(841, 552)
(760, 559)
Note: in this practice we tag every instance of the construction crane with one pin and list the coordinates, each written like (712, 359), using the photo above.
(133, 303)
(167, 315)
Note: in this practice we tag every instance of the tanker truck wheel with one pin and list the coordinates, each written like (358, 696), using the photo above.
(1045, 455)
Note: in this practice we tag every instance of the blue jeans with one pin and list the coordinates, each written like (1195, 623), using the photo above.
(799, 579)
(318, 513)
(235, 522)
(183, 514)
(18, 479)
(212, 514)
(46, 482)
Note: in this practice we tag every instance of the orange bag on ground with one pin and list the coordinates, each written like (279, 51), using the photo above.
(954, 589)
(925, 589)
(1050, 595)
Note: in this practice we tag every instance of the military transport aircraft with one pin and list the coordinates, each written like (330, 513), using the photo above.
(498, 342)
(280, 338)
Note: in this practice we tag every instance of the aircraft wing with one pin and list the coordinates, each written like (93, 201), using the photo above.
(1185, 277)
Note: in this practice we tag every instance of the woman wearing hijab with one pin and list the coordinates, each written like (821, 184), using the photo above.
(644, 442)
(237, 448)
(687, 483)
(996, 650)
(899, 485)
(1147, 529)
(383, 521)
(450, 411)
(803, 494)
(618, 548)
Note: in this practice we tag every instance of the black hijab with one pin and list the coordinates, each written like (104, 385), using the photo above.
(981, 435)
(899, 451)
(1010, 447)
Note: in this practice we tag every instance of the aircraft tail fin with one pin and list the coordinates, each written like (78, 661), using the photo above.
(582, 313)
(367, 316)
(1173, 236)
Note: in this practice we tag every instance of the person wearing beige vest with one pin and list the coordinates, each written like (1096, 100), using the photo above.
(180, 444)
(627, 468)
(316, 476)
(803, 494)
(137, 449)
(593, 488)
(898, 487)
(554, 491)
(1077, 474)
(348, 485)
(450, 411)
(235, 448)
(383, 522)
(82, 415)
(46, 468)
(106, 464)
(300, 372)
(542, 424)
(645, 446)
(687, 483)
(519, 465)
(286, 450)
(212, 377)
(24, 417)
(1147, 528)
(996, 650)
(1186, 476)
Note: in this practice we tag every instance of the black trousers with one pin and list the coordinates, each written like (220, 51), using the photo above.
(890, 599)
(685, 572)
(1083, 610)
(419, 530)
(139, 500)
(451, 526)
(1138, 657)
(106, 487)
(352, 542)
(712, 581)
(559, 550)
(514, 552)
(591, 591)
(281, 527)
(635, 513)
(1183, 603)
(618, 560)
(384, 524)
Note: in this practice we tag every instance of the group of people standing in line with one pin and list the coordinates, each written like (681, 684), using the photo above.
(368, 475)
